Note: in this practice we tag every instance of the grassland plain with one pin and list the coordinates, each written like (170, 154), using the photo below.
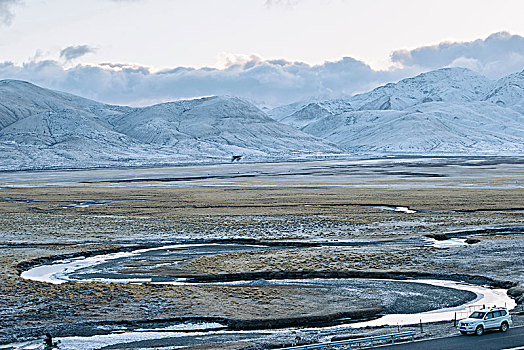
(46, 222)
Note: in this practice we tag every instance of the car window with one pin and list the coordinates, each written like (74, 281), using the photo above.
(503, 312)
(496, 314)
(477, 314)
(489, 315)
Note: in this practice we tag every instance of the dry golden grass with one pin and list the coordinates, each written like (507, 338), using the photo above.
(265, 213)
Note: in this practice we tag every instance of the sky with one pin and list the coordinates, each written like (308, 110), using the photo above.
(271, 52)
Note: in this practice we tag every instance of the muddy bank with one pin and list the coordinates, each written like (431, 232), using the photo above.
(395, 275)
(92, 328)
(306, 321)
(105, 327)
(26, 265)
(130, 247)
(517, 293)
(510, 230)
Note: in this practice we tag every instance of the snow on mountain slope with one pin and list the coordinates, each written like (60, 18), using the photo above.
(315, 110)
(20, 99)
(306, 115)
(66, 138)
(451, 110)
(280, 112)
(40, 128)
(446, 85)
(436, 127)
(334, 106)
(441, 85)
(226, 124)
(509, 92)
(59, 126)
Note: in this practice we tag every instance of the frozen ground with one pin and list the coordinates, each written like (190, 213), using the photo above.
(401, 172)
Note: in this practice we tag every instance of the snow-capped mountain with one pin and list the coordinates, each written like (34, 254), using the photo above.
(314, 110)
(436, 127)
(20, 99)
(442, 85)
(219, 125)
(451, 110)
(40, 128)
(509, 92)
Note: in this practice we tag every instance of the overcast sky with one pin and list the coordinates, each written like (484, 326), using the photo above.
(269, 51)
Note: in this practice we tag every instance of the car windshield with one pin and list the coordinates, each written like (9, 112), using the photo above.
(477, 314)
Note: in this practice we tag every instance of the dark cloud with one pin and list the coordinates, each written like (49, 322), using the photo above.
(270, 82)
(499, 54)
(72, 52)
(6, 11)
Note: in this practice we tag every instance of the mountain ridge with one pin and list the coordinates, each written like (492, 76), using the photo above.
(474, 99)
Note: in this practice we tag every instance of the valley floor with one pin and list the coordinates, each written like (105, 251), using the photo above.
(367, 217)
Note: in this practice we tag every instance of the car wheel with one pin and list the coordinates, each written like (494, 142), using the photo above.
(504, 327)
(464, 332)
(479, 330)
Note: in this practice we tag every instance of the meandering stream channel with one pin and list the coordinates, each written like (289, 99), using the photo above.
(404, 301)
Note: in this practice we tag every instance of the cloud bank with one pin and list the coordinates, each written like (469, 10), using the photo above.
(499, 54)
(265, 82)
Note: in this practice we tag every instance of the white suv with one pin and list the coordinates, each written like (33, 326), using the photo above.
(482, 320)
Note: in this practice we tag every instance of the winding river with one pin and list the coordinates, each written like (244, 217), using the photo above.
(106, 268)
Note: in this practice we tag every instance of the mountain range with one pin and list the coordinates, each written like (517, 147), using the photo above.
(446, 111)
(42, 129)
